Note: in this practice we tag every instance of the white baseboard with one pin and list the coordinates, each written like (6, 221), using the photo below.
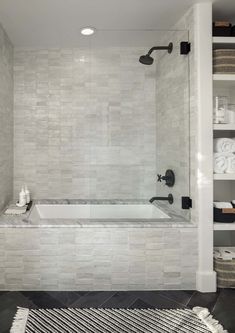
(206, 281)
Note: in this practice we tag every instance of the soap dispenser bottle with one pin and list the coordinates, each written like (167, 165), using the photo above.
(22, 198)
(27, 194)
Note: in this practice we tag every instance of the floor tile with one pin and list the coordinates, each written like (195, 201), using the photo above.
(93, 299)
(221, 304)
(140, 304)
(6, 319)
(12, 299)
(224, 309)
(180, 296)
(67, 298)
(8, 307)
(155, 299)
(206, 300)
(42, 299)
(121, 299)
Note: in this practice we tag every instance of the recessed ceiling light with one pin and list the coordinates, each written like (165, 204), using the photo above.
(87, 31)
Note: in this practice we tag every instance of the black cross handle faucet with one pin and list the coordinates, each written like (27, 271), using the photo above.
(169, 178)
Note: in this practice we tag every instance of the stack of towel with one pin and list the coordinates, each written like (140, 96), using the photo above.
(222, 205)
(224, 157)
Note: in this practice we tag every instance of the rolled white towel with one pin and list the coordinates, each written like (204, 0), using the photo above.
(221, 204)
(224, 145)
(231, 164)
(220, 162)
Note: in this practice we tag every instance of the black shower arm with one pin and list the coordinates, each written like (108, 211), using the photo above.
(154, 48)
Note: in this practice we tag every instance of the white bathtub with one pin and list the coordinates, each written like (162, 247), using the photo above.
(97, 211)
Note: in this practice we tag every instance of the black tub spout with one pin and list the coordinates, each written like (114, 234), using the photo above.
(170, 199)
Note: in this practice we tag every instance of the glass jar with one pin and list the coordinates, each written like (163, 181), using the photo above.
(231, 113)
(220, 114)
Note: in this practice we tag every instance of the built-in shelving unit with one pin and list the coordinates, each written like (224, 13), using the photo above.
(224, 84)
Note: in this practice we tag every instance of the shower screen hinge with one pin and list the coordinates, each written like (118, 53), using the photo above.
(186, 202)
(185, 47)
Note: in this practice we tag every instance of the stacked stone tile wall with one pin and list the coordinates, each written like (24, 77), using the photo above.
(85, 123)
(97, 258)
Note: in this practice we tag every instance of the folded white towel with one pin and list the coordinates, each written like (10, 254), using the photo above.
(231, 164)
(224, 145)
(221, 204)
(14, 210)
(220, 162)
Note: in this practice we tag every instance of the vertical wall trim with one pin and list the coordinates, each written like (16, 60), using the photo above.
(206, 277)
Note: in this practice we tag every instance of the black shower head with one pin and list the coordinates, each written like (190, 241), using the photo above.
(147, 60)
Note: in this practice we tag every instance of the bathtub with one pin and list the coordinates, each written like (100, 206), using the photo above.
(97, 211)
(98, 245)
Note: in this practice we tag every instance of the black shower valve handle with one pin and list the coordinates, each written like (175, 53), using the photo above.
(159, 178)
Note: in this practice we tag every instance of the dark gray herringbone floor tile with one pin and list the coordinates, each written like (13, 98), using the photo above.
(221, 304)
(93, 299)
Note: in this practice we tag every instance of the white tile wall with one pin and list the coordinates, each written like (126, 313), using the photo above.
(97, 259)
(6, 119)
(85, 123)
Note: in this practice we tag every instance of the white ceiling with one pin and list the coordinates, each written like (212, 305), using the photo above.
(52, 23)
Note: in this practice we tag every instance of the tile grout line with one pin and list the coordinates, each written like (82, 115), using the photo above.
(174, 301)
(65, 291)
(219, 295)
(133, 302)
(90, 292)
(108, 298)
(191, 297)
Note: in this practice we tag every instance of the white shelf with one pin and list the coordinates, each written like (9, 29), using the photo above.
(224, 127)
(224, 77)
(224, 226)
(224, 80)
(224, 176)
(222, 42)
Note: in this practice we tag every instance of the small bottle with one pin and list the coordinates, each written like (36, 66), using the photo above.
(22, 198)
(27, 194)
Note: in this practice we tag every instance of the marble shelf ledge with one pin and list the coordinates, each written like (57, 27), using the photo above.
(23, 221)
